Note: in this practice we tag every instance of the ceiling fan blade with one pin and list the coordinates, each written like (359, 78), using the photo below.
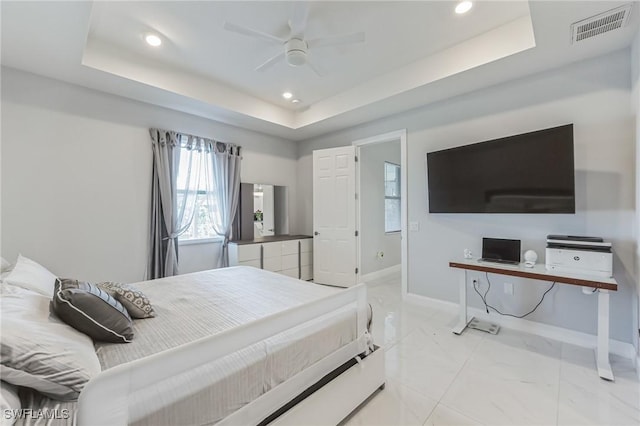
(270, 62)
(337, 40)
(316, 68)
(299, 19)
(230, 26)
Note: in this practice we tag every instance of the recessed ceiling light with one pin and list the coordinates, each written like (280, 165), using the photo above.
(295, 101)
(464, 7)
(287, 95)
(153, 40)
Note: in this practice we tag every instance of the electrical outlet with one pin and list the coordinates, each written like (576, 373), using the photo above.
(508, 289)
(414, 226)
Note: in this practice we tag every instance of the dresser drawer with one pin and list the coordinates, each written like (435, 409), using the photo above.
(290, 272)
(254, 263)
(306, 245)
(306, 258)
(248, 252)
(290, 261)
(273, 264)
(306, 273)
(272, 249)
(290, 247)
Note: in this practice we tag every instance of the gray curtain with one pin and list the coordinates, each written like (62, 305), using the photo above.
(223, 191)
(171, 212)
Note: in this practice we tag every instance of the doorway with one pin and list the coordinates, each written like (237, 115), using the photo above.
(381, 206)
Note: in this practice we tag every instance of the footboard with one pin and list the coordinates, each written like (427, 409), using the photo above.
(106, 399)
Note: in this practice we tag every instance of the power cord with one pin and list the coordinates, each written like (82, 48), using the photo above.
(487, 306)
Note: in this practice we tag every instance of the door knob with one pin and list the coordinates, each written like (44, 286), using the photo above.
(316, 233)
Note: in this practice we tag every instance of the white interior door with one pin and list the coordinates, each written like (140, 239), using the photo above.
(334, 216)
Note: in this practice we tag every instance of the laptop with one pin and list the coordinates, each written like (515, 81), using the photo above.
(501, 251)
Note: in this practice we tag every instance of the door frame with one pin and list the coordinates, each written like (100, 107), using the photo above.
(400, 135)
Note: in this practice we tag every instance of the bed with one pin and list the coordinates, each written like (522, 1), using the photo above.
(234, 346)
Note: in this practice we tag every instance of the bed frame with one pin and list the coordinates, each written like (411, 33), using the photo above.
(340, 383)
(335, 400)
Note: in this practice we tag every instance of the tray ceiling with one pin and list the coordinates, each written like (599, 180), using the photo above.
(414, 53)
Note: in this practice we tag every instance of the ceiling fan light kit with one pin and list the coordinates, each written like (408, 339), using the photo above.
(296, 52)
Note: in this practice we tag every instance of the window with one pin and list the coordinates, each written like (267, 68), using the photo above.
(391, 197)
(200, 164)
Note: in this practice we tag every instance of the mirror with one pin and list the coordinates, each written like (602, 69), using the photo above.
(263, 211)
(264, 224)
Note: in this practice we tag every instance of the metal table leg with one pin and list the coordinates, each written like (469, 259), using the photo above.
(462, 321)
(602, 350)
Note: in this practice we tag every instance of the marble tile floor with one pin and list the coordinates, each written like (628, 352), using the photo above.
(437, 378)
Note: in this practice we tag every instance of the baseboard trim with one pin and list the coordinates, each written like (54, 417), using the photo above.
(430, 302)
(381, 273)
(573, 337)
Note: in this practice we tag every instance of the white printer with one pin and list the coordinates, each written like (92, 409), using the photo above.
(579, 255)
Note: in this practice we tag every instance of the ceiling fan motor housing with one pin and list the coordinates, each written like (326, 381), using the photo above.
(296, 52)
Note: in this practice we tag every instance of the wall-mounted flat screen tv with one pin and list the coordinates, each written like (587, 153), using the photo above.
(528, 173)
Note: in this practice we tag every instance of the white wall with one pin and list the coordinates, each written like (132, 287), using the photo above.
(595, 96)
(635, 105)
(76, 176)
(372, 235)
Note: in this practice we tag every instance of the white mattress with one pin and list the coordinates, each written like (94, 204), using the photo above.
(192, 306)
(197, 305)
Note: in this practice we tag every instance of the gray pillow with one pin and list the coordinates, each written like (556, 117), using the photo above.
(131, 298)
(91, 310)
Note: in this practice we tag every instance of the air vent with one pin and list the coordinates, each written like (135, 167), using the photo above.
(608, 21)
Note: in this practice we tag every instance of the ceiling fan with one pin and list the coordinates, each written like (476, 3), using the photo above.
(296, 47)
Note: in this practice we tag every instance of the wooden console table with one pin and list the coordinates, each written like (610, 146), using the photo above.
(539, 272)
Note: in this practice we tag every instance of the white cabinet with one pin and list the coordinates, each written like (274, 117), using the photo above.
(272, 256)
(270, 250)
(290, 247)
(306, 259)
(292, 257)
(249, 256)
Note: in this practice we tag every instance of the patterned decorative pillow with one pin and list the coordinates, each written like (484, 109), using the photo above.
(131, 298)
(92, 311)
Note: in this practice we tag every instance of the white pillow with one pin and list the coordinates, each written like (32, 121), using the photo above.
(32, 276)
(9, 401)
(41, 352)
(7, 288)
(4, 265)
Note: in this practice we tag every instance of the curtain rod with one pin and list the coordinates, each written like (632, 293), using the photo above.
(194, 136)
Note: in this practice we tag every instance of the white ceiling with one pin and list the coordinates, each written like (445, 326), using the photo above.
(397, 34)
(415, 53)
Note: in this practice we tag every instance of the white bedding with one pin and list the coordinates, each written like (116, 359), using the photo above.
(193, 306)
(200, 304)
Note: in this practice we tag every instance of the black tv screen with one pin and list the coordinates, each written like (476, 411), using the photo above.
(528, 173)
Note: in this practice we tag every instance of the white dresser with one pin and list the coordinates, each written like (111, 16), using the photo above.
(287, 255)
